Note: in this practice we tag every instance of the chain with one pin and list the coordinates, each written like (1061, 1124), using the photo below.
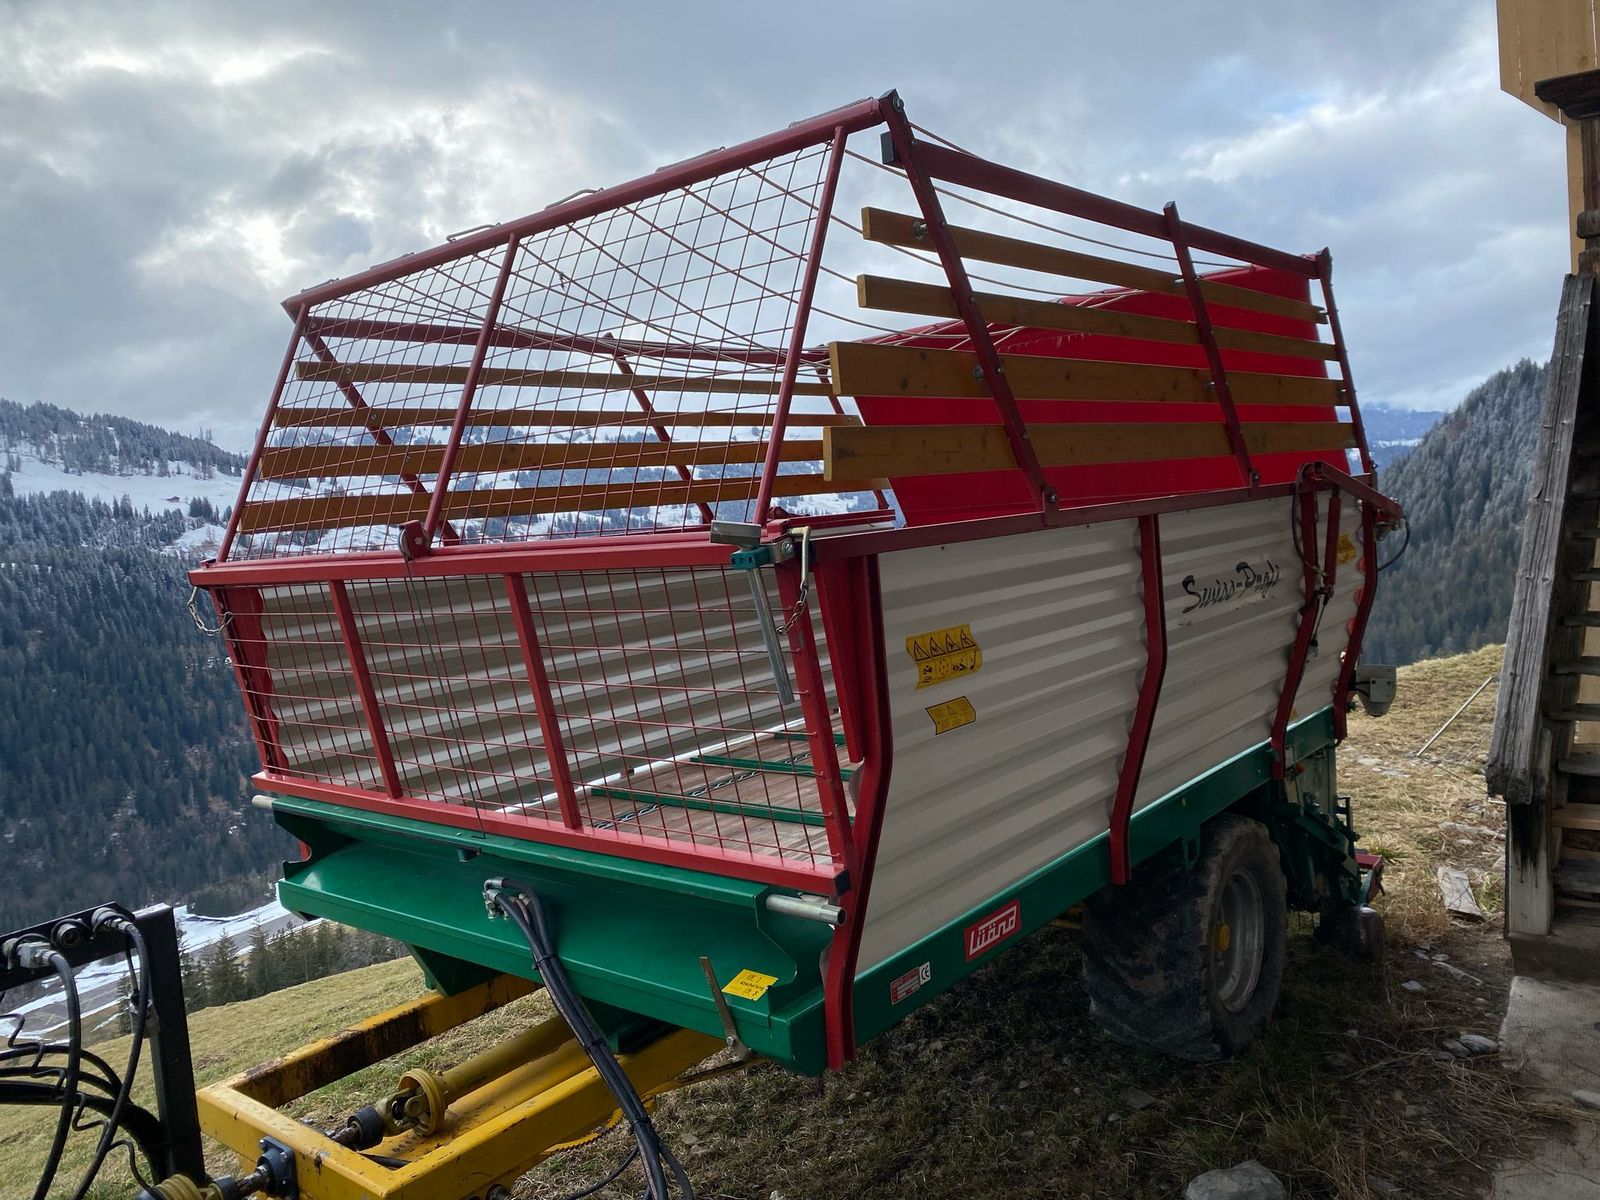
(199, 621)
(805, 582)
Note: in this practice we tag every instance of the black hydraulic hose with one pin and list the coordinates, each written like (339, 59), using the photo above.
(1405, 544)
(611, 1178)
(141, 1006)
(106, 1079)
(109, 1084)
(69, 1093)
(140, 1123)
(527, 912)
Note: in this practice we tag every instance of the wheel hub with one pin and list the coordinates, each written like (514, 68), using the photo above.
(1238, 941)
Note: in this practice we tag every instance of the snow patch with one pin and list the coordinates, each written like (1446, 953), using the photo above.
(36, 476)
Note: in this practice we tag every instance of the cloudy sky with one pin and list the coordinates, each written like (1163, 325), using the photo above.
(169, 171)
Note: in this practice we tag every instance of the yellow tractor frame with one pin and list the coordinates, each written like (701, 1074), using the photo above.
(484, 1122)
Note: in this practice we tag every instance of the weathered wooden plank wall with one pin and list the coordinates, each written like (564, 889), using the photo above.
(1520, 751)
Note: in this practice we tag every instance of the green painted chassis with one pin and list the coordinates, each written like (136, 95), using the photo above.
(632, 933)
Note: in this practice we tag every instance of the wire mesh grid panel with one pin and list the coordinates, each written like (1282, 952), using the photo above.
(672, 716)
(619, 373)
(301, 687)
(453, 694)
(634, 703)
(339, 465)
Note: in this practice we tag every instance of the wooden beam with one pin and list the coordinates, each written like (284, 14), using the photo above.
(1538, 40)
(951, 449)
(592, 381)
(559, 418)
(333, 512)
(1578, 816)
(936, 300)
(870, 369)
(898, 229)
(310, 462)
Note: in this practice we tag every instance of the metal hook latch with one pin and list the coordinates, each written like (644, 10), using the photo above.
(730, 1033)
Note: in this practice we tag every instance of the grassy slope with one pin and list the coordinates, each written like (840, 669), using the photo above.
(1003, 1086)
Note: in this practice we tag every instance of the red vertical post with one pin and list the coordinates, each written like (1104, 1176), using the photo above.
(841, 626)
(239, 611)
(555, 746)
(1325, 276)
(797, 335)
(441, 481)
(1144, 713)
(839, 969)
(262, 434)
(1358, 625)
(906, 155)
(1208, 342)
(363, 677)
(814, 707)
(1318, 578)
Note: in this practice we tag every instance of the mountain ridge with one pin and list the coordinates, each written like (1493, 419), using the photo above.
(1464, 488)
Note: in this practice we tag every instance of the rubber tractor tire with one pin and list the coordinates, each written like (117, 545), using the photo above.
(1189, 961)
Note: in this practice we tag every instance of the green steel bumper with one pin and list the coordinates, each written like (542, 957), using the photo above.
(632, 934)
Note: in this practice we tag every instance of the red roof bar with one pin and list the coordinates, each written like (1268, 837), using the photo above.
(967, 170)
(513, 337)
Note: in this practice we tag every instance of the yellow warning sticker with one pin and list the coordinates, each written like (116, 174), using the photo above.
(1347, 549)
(752, 985)
(952, 714)
(944, 654)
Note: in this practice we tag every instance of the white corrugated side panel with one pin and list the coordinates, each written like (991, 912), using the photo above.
(1058, 618)
(1333, 634)
(1229, 633)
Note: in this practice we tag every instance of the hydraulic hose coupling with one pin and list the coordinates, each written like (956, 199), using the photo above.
(30, 953)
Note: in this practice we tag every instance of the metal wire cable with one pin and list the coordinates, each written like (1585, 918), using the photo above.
(1000, 212)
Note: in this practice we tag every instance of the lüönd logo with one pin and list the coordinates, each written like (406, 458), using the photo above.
(986, 934)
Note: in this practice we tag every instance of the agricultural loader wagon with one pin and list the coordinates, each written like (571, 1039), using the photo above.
(751, 598)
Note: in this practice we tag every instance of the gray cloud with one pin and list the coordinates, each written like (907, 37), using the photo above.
(168, 172)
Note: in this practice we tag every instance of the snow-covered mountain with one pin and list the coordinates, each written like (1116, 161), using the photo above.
(113, 460)
(1392, 433)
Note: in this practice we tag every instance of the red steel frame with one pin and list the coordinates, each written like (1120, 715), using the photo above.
(1208, 341)
(1144, 716)
(844, 566)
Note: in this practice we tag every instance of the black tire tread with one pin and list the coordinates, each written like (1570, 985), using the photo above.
(1145, 956)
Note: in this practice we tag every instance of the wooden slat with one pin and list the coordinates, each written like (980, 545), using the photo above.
(594, 381)
(950, 449)
(333, 512)
(934, 300)
(307, 462)
(344, 417)
(867, 369)
(898, 229)
(1577, 816)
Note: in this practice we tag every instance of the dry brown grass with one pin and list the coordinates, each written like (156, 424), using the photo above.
(1405, 801)
(1003, 1086)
